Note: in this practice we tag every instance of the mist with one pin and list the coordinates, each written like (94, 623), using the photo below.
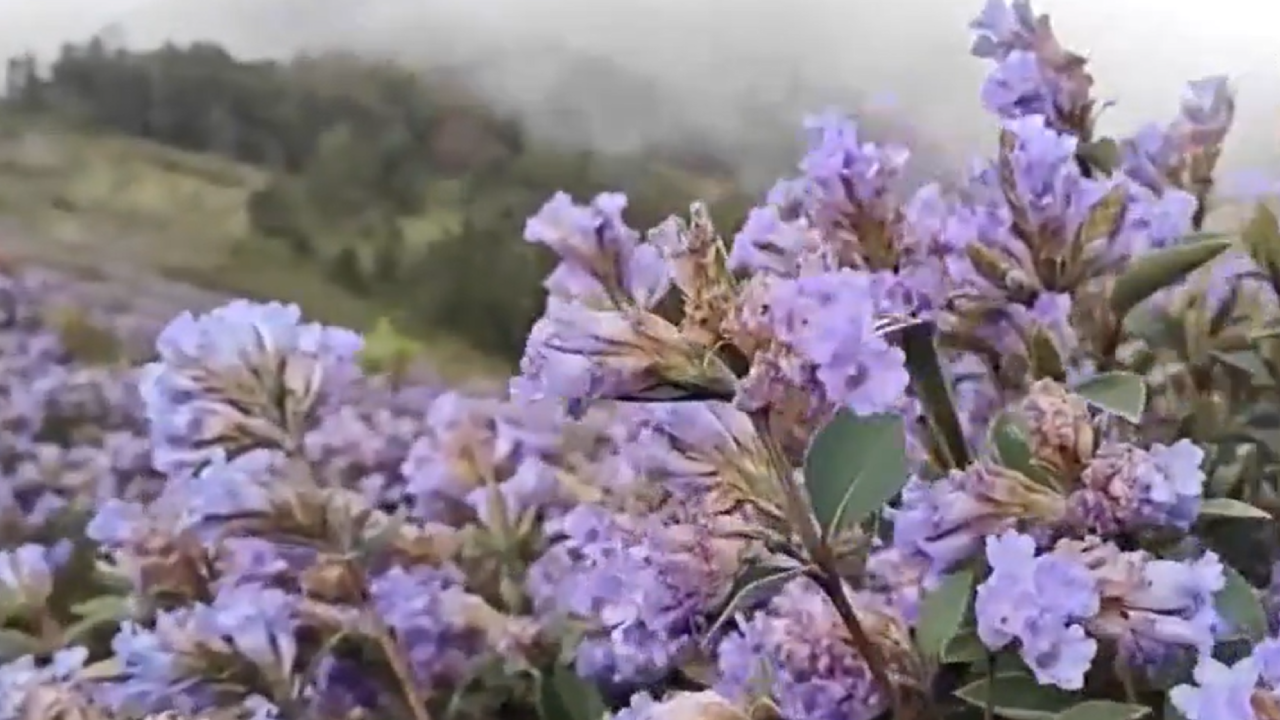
(727, 69)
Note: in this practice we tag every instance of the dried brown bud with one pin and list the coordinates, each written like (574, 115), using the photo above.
(705, 705)
(334, 580)
(54, 702)
(1265, 705)
(170, 567)
(696, 253)
(1059, 428)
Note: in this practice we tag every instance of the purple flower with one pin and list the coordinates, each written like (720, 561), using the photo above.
(245, 375)
(1153, 610)
(27, 573)
(578, 353)
(947, 520)
(1018, 86)
(1220, 692)
(602, 259)
(1039, 602)
(1207, 111)
(845, 175)
(175, 665)
(1152, 221)
(1034, 74)
(701, 453)
(645, 587)
(1047, 179)
(1002, 27)
(769, 244)
(936, 230)
(1127, 488)
(1151, 157)
(422, 606)
(797, 653)
(832, 320)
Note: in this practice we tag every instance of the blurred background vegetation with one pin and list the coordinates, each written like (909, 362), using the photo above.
(358, 188)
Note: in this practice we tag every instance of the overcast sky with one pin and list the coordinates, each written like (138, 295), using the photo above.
(911, 51)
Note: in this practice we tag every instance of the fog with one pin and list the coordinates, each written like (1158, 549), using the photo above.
(729, 67)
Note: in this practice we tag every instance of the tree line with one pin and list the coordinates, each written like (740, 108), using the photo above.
(355, 148)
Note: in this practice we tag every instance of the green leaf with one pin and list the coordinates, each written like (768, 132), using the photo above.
(854, 466)
(93, 614)
(1154, 271)
(1017, 696)
(1265, 333)
(1237, 602)
(1104, 710)
(1248, 363)
(1046, 360)
(933, 387)
(964, 647)
(1103, 154)
(103, 605)
(1119, 393)
(942, 612)
(1103, 219)
(14, 644)
(755, 583)
(1008, 438)
(1261, 237)
(562, 695)
(381, 538)
(1229, 508)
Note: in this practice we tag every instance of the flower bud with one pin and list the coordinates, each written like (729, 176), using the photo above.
(577, 352)
(947, 520)
(333, 579)
(705, 705)
(1059, 428)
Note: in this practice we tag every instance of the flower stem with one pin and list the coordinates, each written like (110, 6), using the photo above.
(832, 586)
(387, 641)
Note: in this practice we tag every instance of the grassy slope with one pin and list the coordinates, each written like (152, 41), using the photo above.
(83, 201)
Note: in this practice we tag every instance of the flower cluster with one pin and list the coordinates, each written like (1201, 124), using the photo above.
(881, 451)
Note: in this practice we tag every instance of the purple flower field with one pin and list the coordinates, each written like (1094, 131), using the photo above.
(999, 448)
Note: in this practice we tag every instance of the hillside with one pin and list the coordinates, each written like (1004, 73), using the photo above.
(359, 189)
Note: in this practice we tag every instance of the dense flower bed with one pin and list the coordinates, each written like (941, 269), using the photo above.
(1001, 448)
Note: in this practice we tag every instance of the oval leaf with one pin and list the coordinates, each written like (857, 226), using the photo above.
(1229, 508)
(1247, 363)
(1104, 710)
(1017, 696)
(1238, 603)
(1046, 359)
(115, 606)
(854, 466)
(1103, 153)
(933, 387)
(965, 647)
(942, 612)
(14, 644)
(754, 584)
(1119, 393)
(562, 695)
(1008, 438)
(1154, 271)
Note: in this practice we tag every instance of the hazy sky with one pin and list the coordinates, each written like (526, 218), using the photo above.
(914, 51)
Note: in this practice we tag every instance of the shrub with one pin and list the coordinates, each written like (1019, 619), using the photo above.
(973, 452)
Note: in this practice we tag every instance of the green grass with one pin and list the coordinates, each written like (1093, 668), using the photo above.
(84, 199)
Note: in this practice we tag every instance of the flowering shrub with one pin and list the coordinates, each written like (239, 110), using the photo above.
(998, 449)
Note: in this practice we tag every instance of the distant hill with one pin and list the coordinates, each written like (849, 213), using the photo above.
(382, 181)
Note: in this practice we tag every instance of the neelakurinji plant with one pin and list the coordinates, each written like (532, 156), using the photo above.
(998, 450)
